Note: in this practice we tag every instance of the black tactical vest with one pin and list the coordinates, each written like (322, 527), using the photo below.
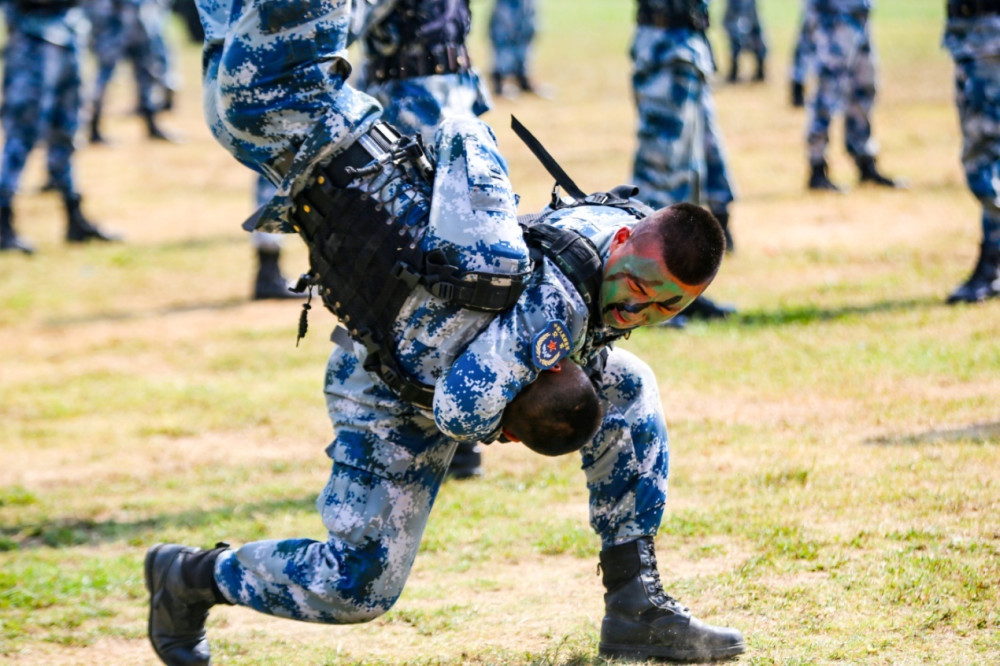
(420, 24)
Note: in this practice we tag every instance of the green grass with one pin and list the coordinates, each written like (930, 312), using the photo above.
(835, 469)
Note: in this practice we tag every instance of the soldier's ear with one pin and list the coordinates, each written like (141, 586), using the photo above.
(620, 237)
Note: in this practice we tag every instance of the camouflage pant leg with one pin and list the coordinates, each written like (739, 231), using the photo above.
(742, 24)
(274, 85)
(41, 94)
(805, 49)
(679, 156)
(627, 463)
(418, 105)
(977, 95)
(860, 102)
(839, 41)
(145, 68)
(108, 37)
(388, 463)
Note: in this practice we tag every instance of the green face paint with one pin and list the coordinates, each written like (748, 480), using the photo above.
(639, 290)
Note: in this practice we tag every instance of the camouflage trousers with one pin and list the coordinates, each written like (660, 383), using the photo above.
(119, 34)
(977, 95)
(512, 29)
(41, 100)
(845, 63)
(388, 463)
(742, 24)
(680, 156)
(804, 54)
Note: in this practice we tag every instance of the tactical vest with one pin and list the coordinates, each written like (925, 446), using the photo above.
(366, 263)
(692, 14)
(419, 38)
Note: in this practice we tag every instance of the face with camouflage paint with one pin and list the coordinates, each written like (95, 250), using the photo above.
(638, 289)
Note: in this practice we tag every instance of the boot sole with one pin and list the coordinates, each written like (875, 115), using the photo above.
(634, 653)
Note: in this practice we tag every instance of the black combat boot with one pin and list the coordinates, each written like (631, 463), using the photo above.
(9, 240)
(181, 585)
(95, 123)
(798, 95)
(467, 462)
(153, 130)
(78, 228)
(270, 283)
(820, 180)
(870, 174)
(642, 622)
(723, 218)
(734, 67)
(707, 309)
(984, 283)
(497, 79)
(761, 72)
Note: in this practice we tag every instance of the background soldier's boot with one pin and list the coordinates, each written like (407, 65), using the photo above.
(78, 228)
(820, 180)
(723, 218)
(705, 308)
(984, 283)
(761, 72)
(870, 173)
(497, 79)
(95, 123)
(8, 239)
(734, 68)
(181, 585)
(642, 622)
(798, 94)
(270, 283)
(153, 130)
(468, 461)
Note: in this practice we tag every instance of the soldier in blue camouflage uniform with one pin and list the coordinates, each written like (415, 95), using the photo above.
(742, 24)
(41, 98)
(127, 29)
(680, 156)
(845, 61)
(295, 118)
(972, 36)
(804, 55)
(513, 25)
(418, 68)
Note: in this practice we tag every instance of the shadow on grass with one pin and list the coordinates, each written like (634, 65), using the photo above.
(980, 433)
(134, 315)
(809, 314)
(68, 532)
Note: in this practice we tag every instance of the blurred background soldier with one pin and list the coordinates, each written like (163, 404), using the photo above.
(130, 29)
(804, 55)
(845, 60)
(680, 156)
(513, 25)
(972, 36)
(742, 24)
(41, 97)
(418, 67)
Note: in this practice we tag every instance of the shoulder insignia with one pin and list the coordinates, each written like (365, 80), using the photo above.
(550, 345)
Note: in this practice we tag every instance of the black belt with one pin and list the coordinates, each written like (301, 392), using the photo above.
(693, 20)
(440, 59)
(970, 8)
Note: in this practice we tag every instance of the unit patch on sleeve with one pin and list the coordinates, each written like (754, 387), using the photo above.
(550, 345)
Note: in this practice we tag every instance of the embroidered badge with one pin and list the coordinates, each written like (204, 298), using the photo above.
(551, 345)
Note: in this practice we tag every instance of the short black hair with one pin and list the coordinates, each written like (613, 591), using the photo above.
(691, 239)
(557, 413)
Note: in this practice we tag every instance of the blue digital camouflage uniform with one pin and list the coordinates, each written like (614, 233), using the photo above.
(127, 29)
(845, 63)
(742, 24)
(513, 24)
(41, 92)
(680, 155)
(804, 55)
(974, 43)
(275, 95)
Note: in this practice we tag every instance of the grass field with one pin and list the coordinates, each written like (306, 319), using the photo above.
(835, 477)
